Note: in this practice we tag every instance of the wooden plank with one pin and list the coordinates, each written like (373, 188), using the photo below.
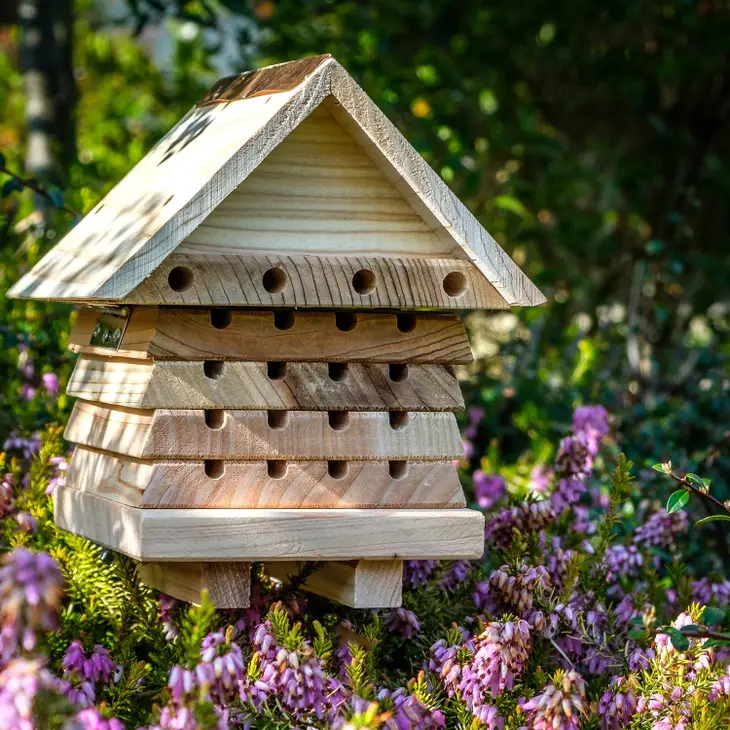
(239, 279)
(360, 584)
(241, 535)
(265, 386)
(266, 485)
(189, 434)
(318, 192)
(211, 334)
(228, 584)
(209, 153)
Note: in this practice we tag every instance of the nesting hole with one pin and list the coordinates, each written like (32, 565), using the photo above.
(337, 371)
(398, 372)
(220, 318)
(407, 322)
(364, 282)
(398, 420)
(284, 320)
(274, 280)
(454, 284)
(215, 418)
(397, 469)
(214, 468)
(276, 370)
(180, 278)
(337, 469)
(338, 420)
(276, 468)
(346, 321)
(277, 419)
(213, 369)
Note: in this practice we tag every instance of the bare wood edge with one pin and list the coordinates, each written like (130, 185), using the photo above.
(359, 584)
(228, 584)
(329, 78)
(241, 535)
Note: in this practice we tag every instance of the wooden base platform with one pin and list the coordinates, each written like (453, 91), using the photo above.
(246, 535)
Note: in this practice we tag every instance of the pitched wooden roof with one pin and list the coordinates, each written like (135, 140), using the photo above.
(212, 150)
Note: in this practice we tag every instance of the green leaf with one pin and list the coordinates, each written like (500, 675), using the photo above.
(637, 634)
(10, 186)
(636, 621)
(679, 642)
(689, 628)
(677, 500)
(508, 203)
(712, 518)
(710, 643)
(699, 481)
(712, 615)
(659, 468)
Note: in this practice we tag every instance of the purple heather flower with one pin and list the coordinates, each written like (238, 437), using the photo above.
(540, 478)
(704, 591)
(455, 575)
(721, 687)
(511, 589)
(26, 522)
(622, 561)
(30, 589)
(416, 573)
(402, 621)
(29, 445)
(575, 456)
(7, 495)
(20, 681)
(661, 529)
(617, 705)
(27, 391)
(409, 713)
(526, 517)
(488, 488)
(500, 656)
(167, 605)
(568, 491)
(58, 477)
(591, 419)
(468, 447)
(475, 415)
(443, 662)
(50, 383)
(90, 719)
(640, 658)
(561, 705)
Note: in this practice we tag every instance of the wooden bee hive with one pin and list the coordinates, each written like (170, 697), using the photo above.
(266, 346)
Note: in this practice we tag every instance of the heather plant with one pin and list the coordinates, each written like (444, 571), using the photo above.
(579, 614)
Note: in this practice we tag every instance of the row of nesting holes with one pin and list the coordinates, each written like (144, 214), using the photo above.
(274, 281)
(337, 371)
(344, 321)
(277, 468)
(338, 420)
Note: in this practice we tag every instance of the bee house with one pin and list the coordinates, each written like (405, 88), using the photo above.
(266, 337)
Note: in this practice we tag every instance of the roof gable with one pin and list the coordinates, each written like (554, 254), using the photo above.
(213, 149)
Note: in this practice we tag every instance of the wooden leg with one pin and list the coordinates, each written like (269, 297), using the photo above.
(228, 584)
(356, 583)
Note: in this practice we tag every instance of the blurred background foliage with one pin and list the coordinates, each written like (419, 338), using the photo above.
(590, 139)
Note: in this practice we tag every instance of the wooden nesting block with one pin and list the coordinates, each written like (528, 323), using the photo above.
(278, 280)
(219, 434)
(228, 584)
(210, 334)
(360, 584)
(265, 484)
(287, 386)
(246, 535)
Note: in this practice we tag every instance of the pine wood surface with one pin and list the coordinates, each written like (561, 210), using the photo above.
(360, 584)
(228, 584)
(232, 278)
(241, 535)
(189, 434)
(257, 386)
(207, 156)
(265, 485)
(209, 334)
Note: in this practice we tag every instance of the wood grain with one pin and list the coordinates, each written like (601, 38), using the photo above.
(318, 192)
(207, 156)
(228, 584)
(188, 434)
(360, 584)
(264, 485)
(211, 334)
(231, 278)
(240, 535)
(248, 385)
